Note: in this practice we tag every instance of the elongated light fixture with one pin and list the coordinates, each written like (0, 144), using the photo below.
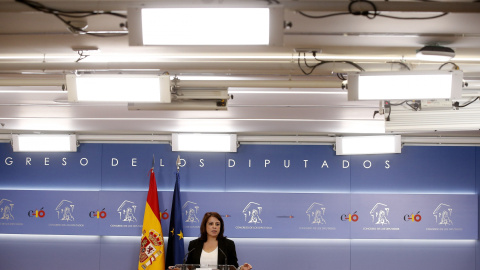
(44, 143)
(366, 145)
(205, 26)
(118, 88)
(405, 85)
(196, 142)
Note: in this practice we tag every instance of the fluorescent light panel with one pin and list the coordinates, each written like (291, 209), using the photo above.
(195, 142)
(118, 88)
(406, 85)
(205, 26)
(44, 143)
(365, 145)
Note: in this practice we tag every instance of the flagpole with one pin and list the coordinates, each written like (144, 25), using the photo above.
(178, 163)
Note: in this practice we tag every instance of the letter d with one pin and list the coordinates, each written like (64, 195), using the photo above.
(114, 162)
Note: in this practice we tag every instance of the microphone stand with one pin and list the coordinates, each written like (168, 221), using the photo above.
(184, 266)
(225, 267)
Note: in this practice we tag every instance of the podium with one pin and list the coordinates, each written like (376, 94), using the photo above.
(187, 266)
(226, 267)
(195, 266)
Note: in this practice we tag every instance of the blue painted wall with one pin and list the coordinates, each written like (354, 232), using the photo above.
(255, 168)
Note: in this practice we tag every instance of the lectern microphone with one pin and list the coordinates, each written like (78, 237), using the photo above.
(185, 258)
(226, 260)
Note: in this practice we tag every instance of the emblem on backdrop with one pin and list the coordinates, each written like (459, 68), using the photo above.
(127, 211)
(252, 212)
(190, 210)
(443, 214)
(6, 208)
(379, 214)
(316, 213)
(65, 210)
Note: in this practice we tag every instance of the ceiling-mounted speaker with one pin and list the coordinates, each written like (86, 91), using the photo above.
(435, 53)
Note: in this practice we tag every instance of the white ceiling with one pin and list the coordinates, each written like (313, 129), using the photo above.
(37, 49)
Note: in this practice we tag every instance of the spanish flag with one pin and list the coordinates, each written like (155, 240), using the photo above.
(152, 248)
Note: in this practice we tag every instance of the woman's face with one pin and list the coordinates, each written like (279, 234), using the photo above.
(213, 227)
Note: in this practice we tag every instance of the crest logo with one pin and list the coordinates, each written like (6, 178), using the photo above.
(190, 210)
(65, 210)
(127, 211)
(379, 214)
(443, 214)
(252, 212)
(6, 208)
(150, 248)
(316, 213)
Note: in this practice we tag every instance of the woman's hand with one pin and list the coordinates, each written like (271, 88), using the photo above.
(245, 266)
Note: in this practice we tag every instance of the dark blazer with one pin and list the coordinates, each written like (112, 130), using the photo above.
(228, 246)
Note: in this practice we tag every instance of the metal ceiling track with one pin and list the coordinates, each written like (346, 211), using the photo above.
(325, 6)
(37, 81)
(273, 140)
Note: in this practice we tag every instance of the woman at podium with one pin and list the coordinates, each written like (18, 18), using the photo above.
(212, 248)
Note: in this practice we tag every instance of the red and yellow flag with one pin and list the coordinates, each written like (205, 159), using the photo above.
(152, 248)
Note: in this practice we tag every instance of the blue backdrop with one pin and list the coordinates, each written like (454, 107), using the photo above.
(349, 212)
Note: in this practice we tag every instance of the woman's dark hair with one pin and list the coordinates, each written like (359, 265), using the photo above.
(203, 226)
